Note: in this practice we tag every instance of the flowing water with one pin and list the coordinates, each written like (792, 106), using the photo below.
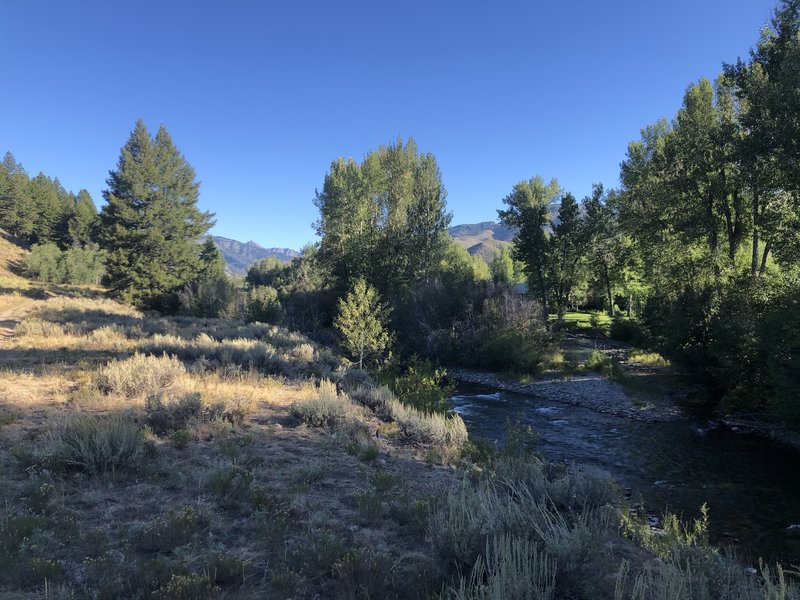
(751, 485)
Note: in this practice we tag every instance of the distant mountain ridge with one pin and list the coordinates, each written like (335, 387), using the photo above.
(239, 256)
(487, 237)
(484, 239)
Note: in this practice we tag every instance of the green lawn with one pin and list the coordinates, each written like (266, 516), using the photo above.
(584, 319)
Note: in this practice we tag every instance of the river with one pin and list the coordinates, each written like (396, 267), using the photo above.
(751, 485)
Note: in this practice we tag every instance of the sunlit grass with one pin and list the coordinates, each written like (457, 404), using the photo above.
(647, 358)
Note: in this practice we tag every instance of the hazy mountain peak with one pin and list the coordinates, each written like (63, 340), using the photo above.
(240, 255)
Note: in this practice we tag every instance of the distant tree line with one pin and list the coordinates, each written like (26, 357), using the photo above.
(60, 226)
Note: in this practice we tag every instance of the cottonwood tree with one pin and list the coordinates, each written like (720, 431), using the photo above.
(529, 210)
(384, 219)
(566, 253)
(151, 222)
(361, 322)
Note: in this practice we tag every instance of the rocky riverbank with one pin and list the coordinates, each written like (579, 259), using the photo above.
(588, 390)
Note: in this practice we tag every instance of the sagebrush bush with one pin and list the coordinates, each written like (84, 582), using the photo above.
(96, 444)
(326, 408)
(174, 414)
(556, 506)
(169, 531)
(511, 567)
(139, 374)
(36, 327)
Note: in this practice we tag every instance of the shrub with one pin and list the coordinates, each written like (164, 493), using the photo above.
(35, 327)
(326, 408)
(261, 304)
(187, 587)
(421, 385)
(564, 509)
(433, 428)
(169, 531)
(42, 263)
(605, 365)
(139, 374)
(75, 266)
(96, 444)
(211, 298)
(627, 330)
(173, 415)
(375, 399)
(652, 359)
(230, 482)
(512, 567)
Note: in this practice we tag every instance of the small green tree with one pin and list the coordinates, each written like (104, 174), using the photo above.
(362, 322)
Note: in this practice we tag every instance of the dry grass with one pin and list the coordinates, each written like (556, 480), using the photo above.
(108, 431)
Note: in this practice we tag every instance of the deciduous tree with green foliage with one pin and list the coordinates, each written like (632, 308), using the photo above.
(383, 220)
(362, 323)
(151, 222)
(528, 209)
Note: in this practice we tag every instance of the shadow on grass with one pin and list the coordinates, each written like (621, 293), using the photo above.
(37, 360)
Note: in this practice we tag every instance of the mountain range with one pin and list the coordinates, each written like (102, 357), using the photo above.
(240, 255)
(484, 239)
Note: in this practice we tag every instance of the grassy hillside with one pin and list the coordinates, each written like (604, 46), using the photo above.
(156, 457)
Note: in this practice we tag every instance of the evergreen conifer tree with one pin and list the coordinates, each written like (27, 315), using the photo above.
(82, 224)
(151, 223)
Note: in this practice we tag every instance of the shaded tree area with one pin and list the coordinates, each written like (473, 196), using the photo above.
(701, 243)
(711, 205)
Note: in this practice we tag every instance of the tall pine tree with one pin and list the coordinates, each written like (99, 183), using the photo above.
(151, 223)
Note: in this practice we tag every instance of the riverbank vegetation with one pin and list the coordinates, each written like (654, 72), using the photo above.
(699, 245)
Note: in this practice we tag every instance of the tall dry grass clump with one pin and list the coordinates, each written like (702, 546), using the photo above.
(428, 428)
(327, 407)
(417, 426)
(139, 374)
(511, 567)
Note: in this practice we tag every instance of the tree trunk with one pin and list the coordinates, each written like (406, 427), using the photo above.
(713, 242)
(754, 259)
(543, 295)
(763, 267)
(608, 291)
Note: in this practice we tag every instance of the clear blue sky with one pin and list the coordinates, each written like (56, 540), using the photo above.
(261, 96)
